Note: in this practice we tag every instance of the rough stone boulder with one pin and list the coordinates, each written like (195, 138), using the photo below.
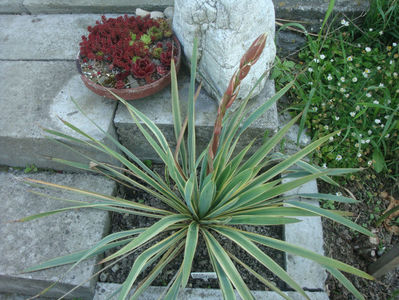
(225, 30)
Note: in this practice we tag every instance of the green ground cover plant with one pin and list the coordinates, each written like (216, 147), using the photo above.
(348, 80)
(209, 194)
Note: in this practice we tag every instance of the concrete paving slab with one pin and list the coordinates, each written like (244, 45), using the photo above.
(105, 290)
(12, 7)
(158, 108)
(26, 244)
(42, 37)
(307, 234)
(90, 6)
(34, 95)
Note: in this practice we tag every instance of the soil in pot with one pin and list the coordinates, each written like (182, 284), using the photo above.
(119, 272)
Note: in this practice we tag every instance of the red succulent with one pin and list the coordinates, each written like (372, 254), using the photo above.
(143, 68)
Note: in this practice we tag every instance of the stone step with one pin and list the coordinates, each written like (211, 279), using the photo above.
(105, 290)
(309, 10)
(46, 78)
(159, 109)
(27, 244)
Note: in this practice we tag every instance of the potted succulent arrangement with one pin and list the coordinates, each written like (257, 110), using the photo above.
(128, 55)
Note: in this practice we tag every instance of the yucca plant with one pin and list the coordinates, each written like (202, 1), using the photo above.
(209, 194)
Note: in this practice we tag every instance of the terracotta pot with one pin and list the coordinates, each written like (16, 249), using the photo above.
(132, 93)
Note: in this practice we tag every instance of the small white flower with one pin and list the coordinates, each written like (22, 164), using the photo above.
(368, 49)
(378, 68)
(389, 100)
(310, 83)
(381, 85)
(342, 79)
(314, 109)
(381, 32)
(394, 44)
(324, 166)
(336, 118)
(353, 134)
(331, 60)
(395, 74)
(377, 121)
(331, 138)
(342, 90)
(365, 75)
(354, 79)
(339, 83)
(370, 162)
(352, 113)
(357, 107)
(357, 145)
(360, 135)
(349, 58)
(344, 22)
(386, 117)
(326, 127)
(316, 60)
(338, 194)
(391, 62)
(339, 157)
(362, 141)
(359, 155)
(368, 95)
(367, 71)
(387, 135)
(339, 132)
(376, 102)
(322, 56)
(346, 95)
(369, 132)
(382, 125)
(370, 29)
(329, 77)
(367, 141)
(310, 70)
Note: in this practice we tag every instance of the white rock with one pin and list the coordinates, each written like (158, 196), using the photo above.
(157, 14)
(168, 12)
(141, 12)
(225, 30)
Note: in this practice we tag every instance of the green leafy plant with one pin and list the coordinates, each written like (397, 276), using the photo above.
(209, 194)
(348, 81)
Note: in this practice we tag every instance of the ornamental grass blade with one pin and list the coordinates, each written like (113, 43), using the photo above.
(191, 110)
(345, 282)
(335, 198)
(260, 220)
(171, 254)
(144, 237)
(267, 283)
(265, 149)
(227, 265)
(330, 215)
(177, 121)
(173, 291)
(189, 251)
(206, 196)
(300, 251)
(223, 280)
(246, 244)
(143, 258)
(282, 211)
(287, 163)
(73, 257)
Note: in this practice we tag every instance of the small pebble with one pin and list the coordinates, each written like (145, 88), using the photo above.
(157, 14)
(141, 12)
